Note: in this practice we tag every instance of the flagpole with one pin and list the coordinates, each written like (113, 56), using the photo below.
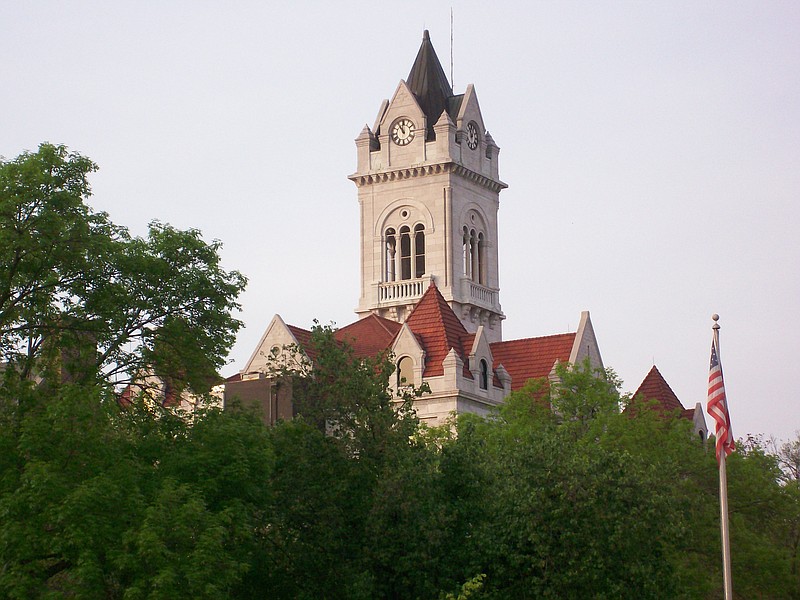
(723, 497)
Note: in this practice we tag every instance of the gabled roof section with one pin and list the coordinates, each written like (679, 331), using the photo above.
(429, 84)
(438, 330)
(586, 344)
(532, 358)
(279, 334)
(655, 387)
(370, 335)
(303, 337)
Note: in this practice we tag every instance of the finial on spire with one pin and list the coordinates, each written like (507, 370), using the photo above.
(715, 318)
(426, 37)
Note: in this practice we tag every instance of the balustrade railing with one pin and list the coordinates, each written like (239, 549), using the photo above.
(412, 289)
(480, 295)
(478, 292)
(400, 291)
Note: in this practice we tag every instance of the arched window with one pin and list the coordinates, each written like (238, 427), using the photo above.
(473, 247)
(405, 371)
(391, 252)
(419, 250)
(484, 376)
(405, 252)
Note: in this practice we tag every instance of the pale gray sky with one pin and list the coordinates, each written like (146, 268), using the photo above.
(652, 152)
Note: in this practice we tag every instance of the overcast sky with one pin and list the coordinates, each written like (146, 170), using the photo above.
(652, 153)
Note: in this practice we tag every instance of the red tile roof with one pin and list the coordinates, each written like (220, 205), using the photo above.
(655, 387)
(438, 330)
(303, 337)
(369, 336)
(532, 358)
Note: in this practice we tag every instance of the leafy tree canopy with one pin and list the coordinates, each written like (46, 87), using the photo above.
(81, 295)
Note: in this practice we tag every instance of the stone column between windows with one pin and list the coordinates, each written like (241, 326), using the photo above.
(448, 227)
(390, 258)
(476, 260)
(398, 257)
(413, 258)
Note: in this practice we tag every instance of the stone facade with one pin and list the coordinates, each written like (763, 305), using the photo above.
(442, 184)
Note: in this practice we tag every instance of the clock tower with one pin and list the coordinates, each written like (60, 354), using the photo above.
(428, 191)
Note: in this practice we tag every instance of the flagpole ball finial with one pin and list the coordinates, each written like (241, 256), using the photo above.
(715, 317)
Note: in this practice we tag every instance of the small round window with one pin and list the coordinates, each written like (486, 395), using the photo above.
(404, 214)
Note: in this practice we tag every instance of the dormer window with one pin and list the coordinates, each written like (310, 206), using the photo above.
(484, 375)
(405, 372)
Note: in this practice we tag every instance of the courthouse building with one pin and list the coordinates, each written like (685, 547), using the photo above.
(428, 185)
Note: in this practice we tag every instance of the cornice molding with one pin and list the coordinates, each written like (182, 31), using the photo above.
(423, 170)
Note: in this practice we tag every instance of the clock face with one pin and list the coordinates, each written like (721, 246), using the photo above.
(403, 131)
(472, 135)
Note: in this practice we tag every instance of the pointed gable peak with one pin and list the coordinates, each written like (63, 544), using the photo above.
(445, 119)
(428, 82)
(437, 328)
(655, 387)
(431, 300)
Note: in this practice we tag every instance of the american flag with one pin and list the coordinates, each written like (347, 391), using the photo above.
(718, 405)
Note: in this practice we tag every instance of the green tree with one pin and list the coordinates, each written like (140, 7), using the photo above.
(102, 502)
(84, 485)
(348, 396)
(348, 493)
(764, 514)
(80, 295)
(788, 455)
(556, 513)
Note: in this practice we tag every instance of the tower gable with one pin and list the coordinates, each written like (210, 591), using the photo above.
(403, 106)
(483, 157)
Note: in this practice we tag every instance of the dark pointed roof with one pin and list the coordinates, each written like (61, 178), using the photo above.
(429, 84)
